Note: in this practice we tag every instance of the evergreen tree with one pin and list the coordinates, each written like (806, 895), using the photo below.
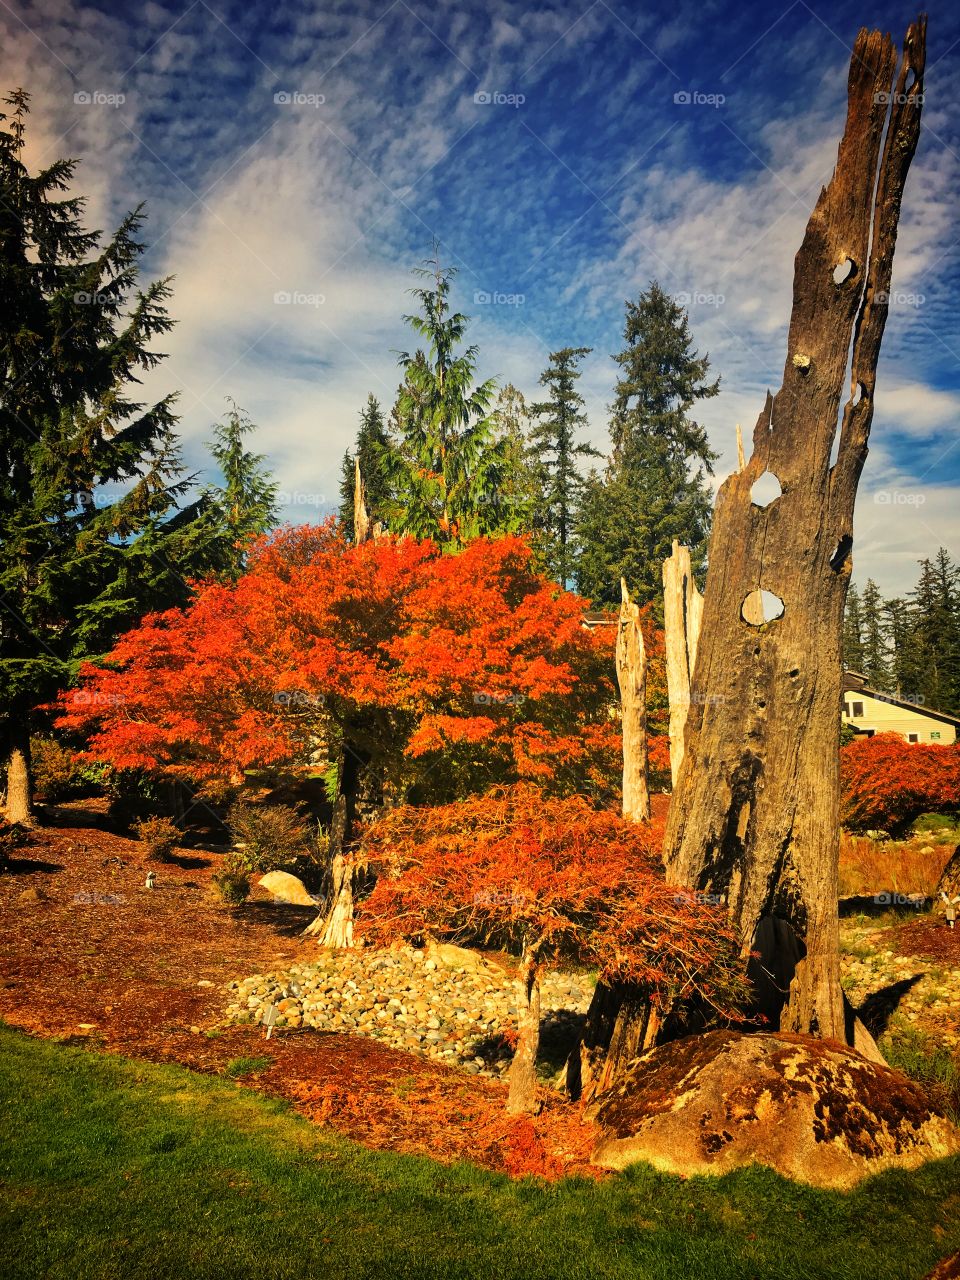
(654, 488)
(445, 468)
(875, 666)
(555, 449)
(853, 632)
(372, 443)
(87, 473)
(933, 641)
(897, 625)
(519, 494)
(244, 504)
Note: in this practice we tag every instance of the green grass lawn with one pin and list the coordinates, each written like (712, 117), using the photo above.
(113, 1168)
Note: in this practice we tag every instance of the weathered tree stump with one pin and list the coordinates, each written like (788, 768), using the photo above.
(755, 811)
(632, 678)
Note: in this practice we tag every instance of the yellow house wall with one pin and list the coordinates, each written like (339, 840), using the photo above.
(884, 717)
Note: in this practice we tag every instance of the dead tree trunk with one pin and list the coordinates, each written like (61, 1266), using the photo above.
(682, 614)
(522, 1098)
(19, 799)
(361, 519)
(755, 810)
(632, 678)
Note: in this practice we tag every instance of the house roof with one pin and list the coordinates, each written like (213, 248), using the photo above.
(860, 686)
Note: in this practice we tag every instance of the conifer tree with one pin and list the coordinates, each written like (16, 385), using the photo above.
(555, 449)
(853, 632)
(244, 503)
(445, 468)
(875, 665)
(654, 488)
(372, 443)
(87, 472)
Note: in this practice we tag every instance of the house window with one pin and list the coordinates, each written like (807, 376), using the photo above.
(856, 709)
(912, 737)
(934, 735)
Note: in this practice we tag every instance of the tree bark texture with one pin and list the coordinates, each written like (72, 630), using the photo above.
(755, 811)
(682, 616)
(522, 1097)
(19, 801)
(632, 678)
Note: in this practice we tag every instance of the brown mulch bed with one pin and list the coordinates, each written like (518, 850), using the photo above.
(928, 938)
(89, 954)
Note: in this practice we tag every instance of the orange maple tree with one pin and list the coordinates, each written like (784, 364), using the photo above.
(548, 879)
(433, 675)
(886, 782)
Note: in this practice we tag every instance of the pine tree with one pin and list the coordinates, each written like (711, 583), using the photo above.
(654, 487)
(519, 494)
(933, 640)
(373, 441)
(445, 468)
(244, 504)
(875, 666)
(897, 625)
(555, 449)
(853, 632)
(87, 473)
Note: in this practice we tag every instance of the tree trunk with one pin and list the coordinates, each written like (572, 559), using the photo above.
(19, 802)
(522, 1099)
(632, 678)
(335, 926)
(755, 809)
(682, 614)
(361, 520)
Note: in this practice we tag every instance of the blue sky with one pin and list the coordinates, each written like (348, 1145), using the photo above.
(573, 179)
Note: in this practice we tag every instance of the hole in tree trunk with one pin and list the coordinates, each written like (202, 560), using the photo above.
(845, 270)
(771, 972)
(841, 554)
(761, 606)
(765, 490)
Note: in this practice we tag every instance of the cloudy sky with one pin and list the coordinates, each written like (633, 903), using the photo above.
(297, 160)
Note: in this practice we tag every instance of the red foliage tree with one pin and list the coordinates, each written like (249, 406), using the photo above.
(887, 782)
(437, 675)
(548, 879)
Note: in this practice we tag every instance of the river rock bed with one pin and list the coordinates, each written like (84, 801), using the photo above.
(459, 1015)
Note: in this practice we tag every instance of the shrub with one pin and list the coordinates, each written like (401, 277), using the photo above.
(12, 837)
(270, 837)
(233, 883)
(160, 835)
(887, 782)
(920, 1057)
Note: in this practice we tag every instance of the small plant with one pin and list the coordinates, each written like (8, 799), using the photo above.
(160, 835)
(233, 882)
(918, 1056)
(237, 1068)
(12, 837)
(270, 837)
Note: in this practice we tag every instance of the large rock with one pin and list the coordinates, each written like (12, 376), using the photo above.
(287, 888)
(814, 1110)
